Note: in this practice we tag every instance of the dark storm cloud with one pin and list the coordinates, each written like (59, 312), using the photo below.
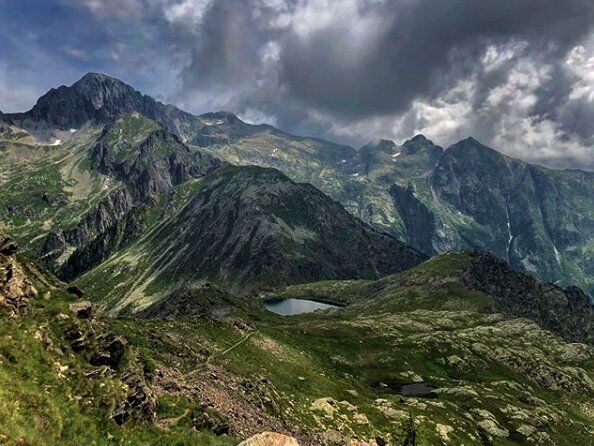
(514, 73)
(412, 54)
(227, 54)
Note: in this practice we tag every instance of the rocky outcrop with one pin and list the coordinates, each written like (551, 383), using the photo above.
(418, 220)
(270, 439)
(106, 352)
(567, 312)
(112, 224)
(196, 300)
(15, 287)
(8, 246)
(152, 166)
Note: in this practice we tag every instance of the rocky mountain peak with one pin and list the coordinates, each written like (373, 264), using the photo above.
(470, 150)
(420, 143)
(379, 145)
(97, 77)
(97, 98)
(220, 117)
(420, 138)
(470, 144)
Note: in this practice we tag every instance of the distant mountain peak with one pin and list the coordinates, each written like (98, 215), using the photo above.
(97, 98)
(471, 140)
(91, 82)
(379, 145)
(420, 143)
(220, 117)
(382, 142)
(470, 145)
(419, 138)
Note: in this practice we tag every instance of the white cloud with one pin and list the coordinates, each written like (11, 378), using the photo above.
(123, 9)
(501, 115)
(187, 12)
(580, 63)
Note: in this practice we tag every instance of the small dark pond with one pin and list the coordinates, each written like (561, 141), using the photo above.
(291, 307)
(422, 389)
(417, 389)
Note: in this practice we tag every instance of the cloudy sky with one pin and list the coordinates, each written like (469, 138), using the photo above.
(516, 74)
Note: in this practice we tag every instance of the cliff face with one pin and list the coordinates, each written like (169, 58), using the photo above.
(567, 312)
(149, 163)
(539, 220)
(417, 218)
(15, 287)
(113, 224)
(151, 166)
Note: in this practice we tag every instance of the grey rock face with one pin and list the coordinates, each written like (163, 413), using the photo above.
(418, 220)
(567, 312)
(147, 170)
(100, 99)
(153, 166)
(537, 219)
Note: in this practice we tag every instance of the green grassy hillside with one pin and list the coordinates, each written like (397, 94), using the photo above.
(204, 367)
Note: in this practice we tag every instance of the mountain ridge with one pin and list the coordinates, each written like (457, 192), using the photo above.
(249, 229)
(404, 188)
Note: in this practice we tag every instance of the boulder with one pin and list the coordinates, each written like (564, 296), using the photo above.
(82, 310)
(492, 428)
(8, 246)
(270, 439)
(110, 352)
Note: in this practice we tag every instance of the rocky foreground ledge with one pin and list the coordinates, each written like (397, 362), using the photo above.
(275, 439)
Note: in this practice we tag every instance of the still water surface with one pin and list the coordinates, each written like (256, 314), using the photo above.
(291, 307)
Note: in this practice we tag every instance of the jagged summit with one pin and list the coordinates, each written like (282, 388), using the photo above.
(97, 77)
(220, 117)
(473, 150)
(418, 138)
(421, 143)
(97, 98)
(379, 144)
(470, 142)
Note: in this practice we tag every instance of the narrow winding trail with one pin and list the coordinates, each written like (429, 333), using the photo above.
(230, 348)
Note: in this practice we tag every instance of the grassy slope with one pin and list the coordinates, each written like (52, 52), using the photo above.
(335, 370)
(46, 396)
(432, 328)
(62, 174)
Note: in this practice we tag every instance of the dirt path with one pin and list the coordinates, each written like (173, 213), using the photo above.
(230, 348)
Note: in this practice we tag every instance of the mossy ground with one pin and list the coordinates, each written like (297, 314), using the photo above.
(343, 369)
(48, 398)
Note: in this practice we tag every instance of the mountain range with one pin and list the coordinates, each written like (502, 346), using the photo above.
(467, 196)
